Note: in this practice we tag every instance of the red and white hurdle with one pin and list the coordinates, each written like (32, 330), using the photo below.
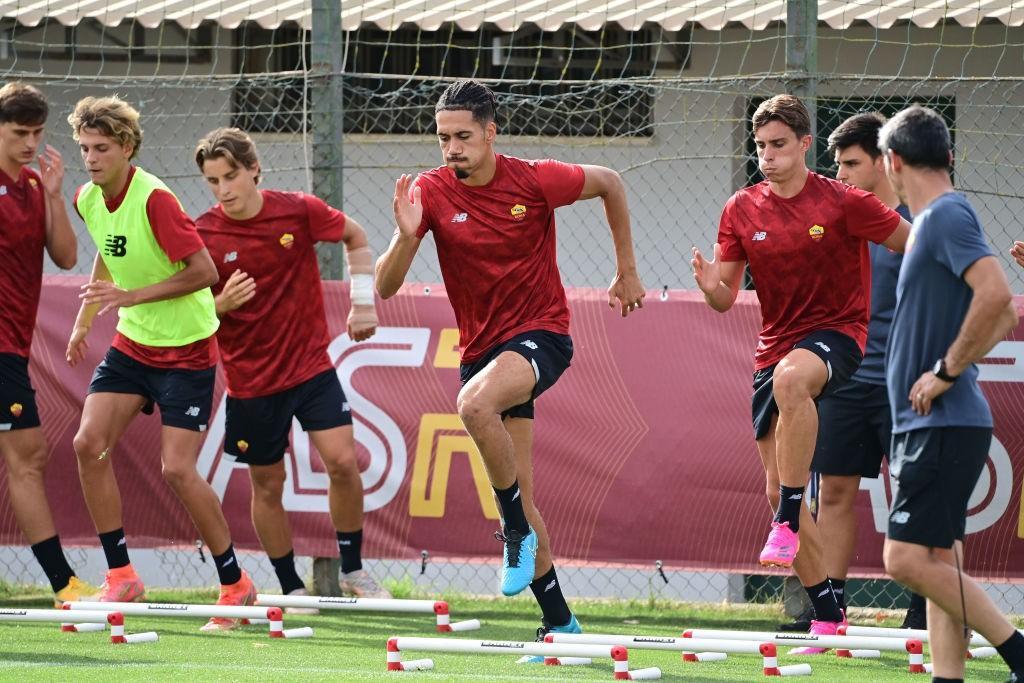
(618, 654)
(691, 649)
(90, 620)
(272, 615)
(983, 650)
(438, 608)
(913, 646)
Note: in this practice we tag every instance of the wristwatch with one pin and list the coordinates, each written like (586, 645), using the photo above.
(940, 371)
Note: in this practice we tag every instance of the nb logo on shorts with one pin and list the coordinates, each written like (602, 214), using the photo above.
(759, 236)
(901, 517)
(193, 411)
(460, 218)
(115, 245)
(345, 408)
(529, 344)
(824, 346)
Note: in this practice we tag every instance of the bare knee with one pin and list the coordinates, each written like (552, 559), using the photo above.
(88, 445)
(267, 486)
(28, 465)
(837, 492)
(789, 388)
(473, 408)
(178, 475)
(901, 564)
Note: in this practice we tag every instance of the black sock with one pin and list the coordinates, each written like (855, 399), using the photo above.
(937, 679)
(549, 596)
(115, 547)
(918, 603)
(51, 558)
(790, 500)
(511, 504)
(1012, 652)
(284, 567)
(228, 570)
(350, 549)
(839, 588)
(826, 607)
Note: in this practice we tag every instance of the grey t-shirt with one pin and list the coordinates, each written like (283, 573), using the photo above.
(932, 299)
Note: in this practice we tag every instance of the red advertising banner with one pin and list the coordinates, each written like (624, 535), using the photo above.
(643, 450)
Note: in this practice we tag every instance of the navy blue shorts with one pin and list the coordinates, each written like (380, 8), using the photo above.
(549, 354)
(937, 470)
(185, 397)
(841, 355)
(854, 430)
(17, 397)
(256, 429)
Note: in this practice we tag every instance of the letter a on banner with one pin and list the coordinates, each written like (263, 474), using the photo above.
(424, 503)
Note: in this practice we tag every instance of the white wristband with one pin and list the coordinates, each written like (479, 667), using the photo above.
(362, 290)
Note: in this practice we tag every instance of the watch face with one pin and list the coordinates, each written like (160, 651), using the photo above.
(938, 367)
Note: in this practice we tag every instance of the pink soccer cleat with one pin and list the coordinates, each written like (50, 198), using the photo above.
(820, 628)
(781, 548)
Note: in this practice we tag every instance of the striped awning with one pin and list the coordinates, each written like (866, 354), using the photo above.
(508, 15)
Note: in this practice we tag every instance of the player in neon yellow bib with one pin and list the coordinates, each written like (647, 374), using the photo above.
(152, 267)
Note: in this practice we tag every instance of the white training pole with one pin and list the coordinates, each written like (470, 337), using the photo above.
(439, 608)
(304, 632)
(795, 670)
(693, 649)
(273, 615)
(804, 639)
(156, 609)
(915, 633)
(618, 654)
(147, 637)
(38, 615)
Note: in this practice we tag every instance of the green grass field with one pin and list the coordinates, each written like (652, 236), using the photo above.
(351, 646)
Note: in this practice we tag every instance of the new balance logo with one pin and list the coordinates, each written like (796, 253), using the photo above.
(460, 218)
(529, 344)
(824, 347)
(122, 541)
(115, 245)
(230, 256)
(345, 408)
(193, 411)
(759, 236)
(796, 496)
(554, 582)
(344, 542)
(901, 517)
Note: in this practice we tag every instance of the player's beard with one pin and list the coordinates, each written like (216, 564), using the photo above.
(461, 173)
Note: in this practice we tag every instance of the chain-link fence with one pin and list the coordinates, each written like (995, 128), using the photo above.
(667, 107)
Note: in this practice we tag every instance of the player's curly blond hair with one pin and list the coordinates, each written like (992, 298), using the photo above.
(232, 144)
(111, 116)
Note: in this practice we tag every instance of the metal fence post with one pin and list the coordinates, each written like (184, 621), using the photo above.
(802, 60)
(327, 120)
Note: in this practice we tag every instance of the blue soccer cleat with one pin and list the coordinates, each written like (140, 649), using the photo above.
(519, 560)
(572, 627)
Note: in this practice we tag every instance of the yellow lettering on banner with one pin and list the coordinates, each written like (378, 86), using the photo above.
(424, 503)
(447, 349)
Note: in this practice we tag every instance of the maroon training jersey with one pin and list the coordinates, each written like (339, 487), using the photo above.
(808, 258)
(496, 247)
(22, 242)
(278, 339)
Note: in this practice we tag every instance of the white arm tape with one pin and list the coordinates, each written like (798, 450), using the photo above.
(362, 290)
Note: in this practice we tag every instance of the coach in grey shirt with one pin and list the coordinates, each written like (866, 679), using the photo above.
(953, 304)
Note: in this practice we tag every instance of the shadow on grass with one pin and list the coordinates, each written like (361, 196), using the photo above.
(56, 659)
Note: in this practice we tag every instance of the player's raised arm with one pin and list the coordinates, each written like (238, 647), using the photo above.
(626, 287)
(720, 281)
(61, 243)
(393, 265)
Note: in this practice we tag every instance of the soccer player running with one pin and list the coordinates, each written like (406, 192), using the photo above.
(33, 220)
(953, 304)
(273, 341)
(804, 237)
(151, 266)
(854, 421)
(492, 217)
